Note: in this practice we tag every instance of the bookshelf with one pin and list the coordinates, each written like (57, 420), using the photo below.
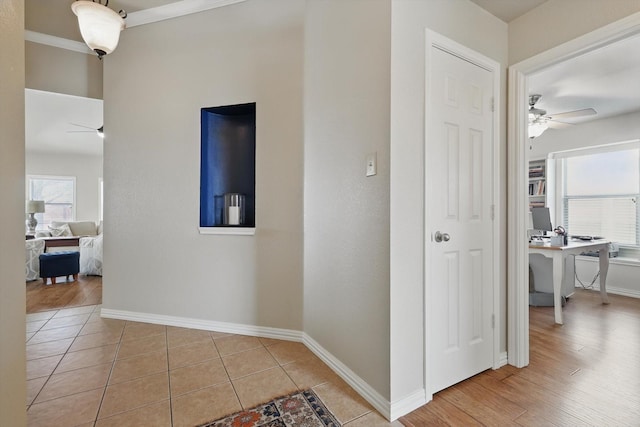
(537, 183)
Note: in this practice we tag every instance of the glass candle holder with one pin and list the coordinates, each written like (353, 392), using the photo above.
(233, 213)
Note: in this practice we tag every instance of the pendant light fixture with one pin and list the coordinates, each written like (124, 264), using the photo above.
(100, 26)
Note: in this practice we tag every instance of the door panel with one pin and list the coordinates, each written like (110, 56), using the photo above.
(458, 203)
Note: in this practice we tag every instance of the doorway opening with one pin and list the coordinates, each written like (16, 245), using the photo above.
(518, 157)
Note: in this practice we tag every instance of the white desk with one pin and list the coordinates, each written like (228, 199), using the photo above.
(558, 254)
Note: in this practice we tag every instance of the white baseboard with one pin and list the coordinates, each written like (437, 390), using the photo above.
(206, 325)
(617, 291)
(503, 359)
(376, 400)
(408, 404)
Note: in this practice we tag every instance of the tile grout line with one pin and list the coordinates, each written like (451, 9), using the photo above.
(233, 387)
(60, 361)
(281, 365)
(113, 363)
(49, 376)
(166, 343)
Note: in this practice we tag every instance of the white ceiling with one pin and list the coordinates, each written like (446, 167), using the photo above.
(130, 6)
(606, 79)
(508, 10)
(48, 123)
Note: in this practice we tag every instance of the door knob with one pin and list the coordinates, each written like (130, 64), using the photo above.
(442, 237)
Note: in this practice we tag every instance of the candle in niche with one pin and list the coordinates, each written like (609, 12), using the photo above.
(234, 205)
(234, 215)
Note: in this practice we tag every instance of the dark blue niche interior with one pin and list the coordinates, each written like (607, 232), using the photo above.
(228, 161)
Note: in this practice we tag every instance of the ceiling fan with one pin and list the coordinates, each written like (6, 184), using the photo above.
(539, 120)
(99, 131)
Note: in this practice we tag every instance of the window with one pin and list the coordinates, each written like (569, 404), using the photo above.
(601, 191)
(58, 193)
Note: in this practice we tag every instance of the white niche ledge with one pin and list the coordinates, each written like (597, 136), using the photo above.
(228, 231)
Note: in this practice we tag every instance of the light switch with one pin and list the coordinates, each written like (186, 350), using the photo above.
(372, 164)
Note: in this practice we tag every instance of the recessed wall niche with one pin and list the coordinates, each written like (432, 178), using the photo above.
(228, 166)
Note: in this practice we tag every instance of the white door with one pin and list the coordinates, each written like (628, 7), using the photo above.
(460, 233)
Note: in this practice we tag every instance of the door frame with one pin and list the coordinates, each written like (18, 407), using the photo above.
(439, 41)
(518, 156)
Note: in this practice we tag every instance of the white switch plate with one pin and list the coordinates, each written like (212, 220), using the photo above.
(372, 164)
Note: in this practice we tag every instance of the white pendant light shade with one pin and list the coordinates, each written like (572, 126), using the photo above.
(100, 26)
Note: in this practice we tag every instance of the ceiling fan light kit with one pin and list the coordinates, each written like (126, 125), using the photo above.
(537, 123)
(539, 120)
(537, 127)
(100, 26)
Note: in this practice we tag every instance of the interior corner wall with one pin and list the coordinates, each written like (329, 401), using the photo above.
(346, 245)
(86, 169)
(13, 392)
(557, 21)
(155, 83)
(62, 71)
(473, 27)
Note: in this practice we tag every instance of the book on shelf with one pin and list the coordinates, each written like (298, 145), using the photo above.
(536, 172)
(536, 204)
(537, 188)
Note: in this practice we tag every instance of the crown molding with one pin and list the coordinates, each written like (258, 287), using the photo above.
(174, 10)
(58, 42)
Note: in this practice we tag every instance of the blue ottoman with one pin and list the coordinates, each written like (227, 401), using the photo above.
(56, 264)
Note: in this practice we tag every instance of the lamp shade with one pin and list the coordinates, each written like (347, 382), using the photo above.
(100, 26)
(35, 206)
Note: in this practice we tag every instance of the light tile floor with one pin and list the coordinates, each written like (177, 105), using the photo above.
(83, 370)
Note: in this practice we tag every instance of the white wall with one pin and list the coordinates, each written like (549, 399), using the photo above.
(622, 277)
(155, 84)
(465, 23)
(86, 169)
(557, 21)
(346, 245)
(12, 293)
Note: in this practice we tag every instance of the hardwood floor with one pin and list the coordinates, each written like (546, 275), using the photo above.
(583, 373)
(87, 290)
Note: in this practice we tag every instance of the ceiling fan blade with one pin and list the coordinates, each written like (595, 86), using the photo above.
(81, 131)
(553, 124)
(574, 114)
(83, 126)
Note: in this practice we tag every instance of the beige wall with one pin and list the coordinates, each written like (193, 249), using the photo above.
(53, 69)
(558, 21)
(155, 84)
(53, 17)
(12, 217)
(63, 71)
(346, 278)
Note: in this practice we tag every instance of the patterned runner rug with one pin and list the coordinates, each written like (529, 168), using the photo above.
(298, 409)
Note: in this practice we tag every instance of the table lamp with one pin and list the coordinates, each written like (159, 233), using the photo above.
(33, 207)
